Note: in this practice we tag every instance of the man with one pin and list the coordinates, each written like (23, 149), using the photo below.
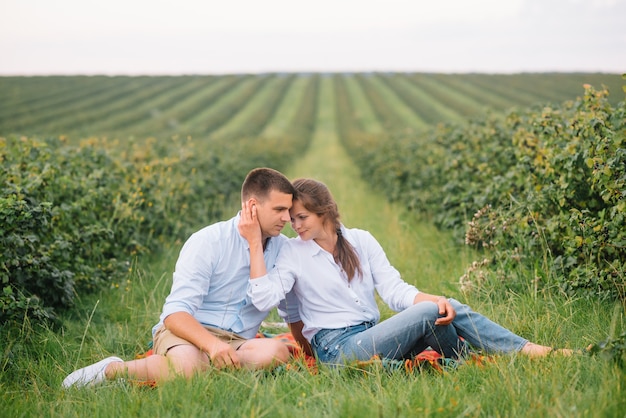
(207, 319)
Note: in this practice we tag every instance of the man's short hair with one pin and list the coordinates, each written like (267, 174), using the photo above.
(261, 181)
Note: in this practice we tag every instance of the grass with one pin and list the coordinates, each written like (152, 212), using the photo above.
(118, 321)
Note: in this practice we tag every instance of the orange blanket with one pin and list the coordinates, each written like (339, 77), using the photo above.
(427, 359)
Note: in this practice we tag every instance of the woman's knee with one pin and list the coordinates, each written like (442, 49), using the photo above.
(425, 310)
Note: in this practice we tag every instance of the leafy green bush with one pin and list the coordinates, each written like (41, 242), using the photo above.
(543, 186)
(74, 217)
(565, 203)
(56, 232)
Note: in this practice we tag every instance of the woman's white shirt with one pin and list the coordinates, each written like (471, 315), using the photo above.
(326, 299)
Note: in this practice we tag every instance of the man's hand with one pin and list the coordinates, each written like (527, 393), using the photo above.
(223, 355)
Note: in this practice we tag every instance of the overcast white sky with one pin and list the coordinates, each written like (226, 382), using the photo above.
(252, 36)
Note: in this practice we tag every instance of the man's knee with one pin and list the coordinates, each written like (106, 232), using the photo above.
(185, 360)
(277, 351)
(264, 352)
(282, 353)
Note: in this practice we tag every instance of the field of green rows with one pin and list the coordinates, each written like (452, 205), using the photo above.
(516, 183)
(243, 105)
(112, 161)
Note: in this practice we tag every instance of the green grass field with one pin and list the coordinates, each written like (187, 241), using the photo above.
(117, 320)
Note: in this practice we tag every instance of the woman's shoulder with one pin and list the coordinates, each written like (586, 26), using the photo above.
(297, 243)
(357, 233)
(295, 249)
(361, 239)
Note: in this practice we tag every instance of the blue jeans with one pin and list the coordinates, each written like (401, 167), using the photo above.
(413, 330)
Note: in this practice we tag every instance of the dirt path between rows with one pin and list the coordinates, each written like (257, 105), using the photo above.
(424, 255)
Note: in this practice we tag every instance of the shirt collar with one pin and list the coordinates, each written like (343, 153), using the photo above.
(313, 248)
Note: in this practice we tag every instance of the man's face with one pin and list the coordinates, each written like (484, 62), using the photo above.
(273, 213)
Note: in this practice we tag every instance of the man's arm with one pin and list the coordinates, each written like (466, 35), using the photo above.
(296, 331)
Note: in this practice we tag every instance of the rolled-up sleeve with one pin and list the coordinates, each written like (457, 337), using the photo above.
(191, 278)
(267, 292)
(263, 294)
(288, 308)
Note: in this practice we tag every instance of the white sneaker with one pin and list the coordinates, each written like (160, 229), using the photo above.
(90, 375)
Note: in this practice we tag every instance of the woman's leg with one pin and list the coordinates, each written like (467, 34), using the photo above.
(482, 333)
(404, 335)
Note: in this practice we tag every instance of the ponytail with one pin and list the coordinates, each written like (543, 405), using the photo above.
(347, 258)
(316, 198)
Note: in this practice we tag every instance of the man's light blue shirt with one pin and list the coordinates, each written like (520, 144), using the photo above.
(211, 279)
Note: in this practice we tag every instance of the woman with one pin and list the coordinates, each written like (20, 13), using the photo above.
(334, 271)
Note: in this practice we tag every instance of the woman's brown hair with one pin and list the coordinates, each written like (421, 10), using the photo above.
(316, 198)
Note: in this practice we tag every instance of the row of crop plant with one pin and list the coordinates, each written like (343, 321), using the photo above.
(163, 106)
(226, 131)
(256, 111)
(75, 215)
(541, 190)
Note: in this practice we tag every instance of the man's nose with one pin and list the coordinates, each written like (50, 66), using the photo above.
(285, 216)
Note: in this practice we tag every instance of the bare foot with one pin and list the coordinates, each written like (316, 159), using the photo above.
(536, 350)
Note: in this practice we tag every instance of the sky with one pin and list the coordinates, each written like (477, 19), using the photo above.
(133, 37)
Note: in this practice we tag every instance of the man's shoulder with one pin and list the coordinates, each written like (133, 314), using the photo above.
(278, 242)
(216, 231)
(281, 238)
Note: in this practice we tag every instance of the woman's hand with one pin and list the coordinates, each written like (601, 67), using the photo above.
(250, 229)
(249, 226)
(447, 312)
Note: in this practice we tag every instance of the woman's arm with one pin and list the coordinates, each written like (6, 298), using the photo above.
(445, 308)
(250, 229)
(394, 289)
(296, 331)
(265, 292)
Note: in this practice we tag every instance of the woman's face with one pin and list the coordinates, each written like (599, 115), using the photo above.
(307, 224)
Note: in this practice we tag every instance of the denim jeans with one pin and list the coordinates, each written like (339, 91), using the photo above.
(413, 330)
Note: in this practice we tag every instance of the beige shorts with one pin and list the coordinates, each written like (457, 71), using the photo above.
(164, 339)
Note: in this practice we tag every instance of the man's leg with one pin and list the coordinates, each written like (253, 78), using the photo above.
(259, 353)
(182, 360)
